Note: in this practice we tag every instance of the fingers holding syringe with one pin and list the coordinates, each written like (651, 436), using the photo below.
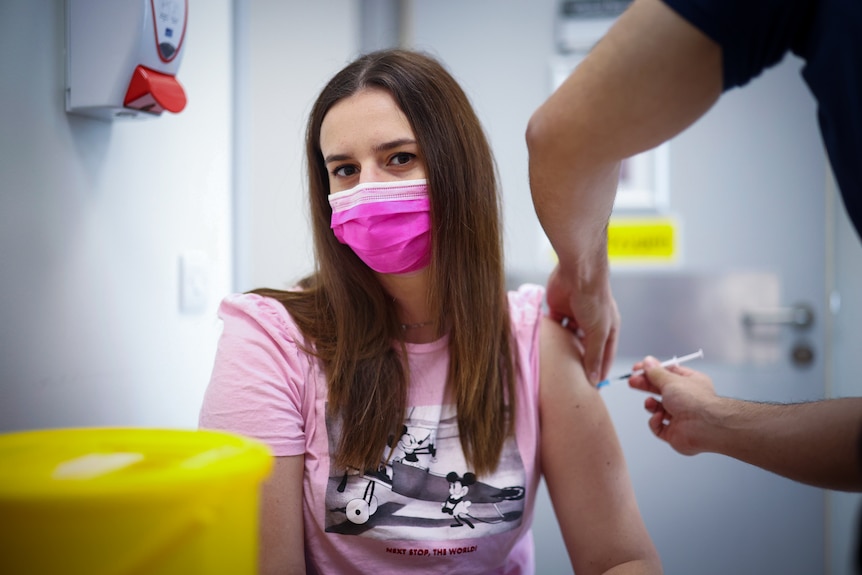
(640, 380)
(650, 376)
(660, 419)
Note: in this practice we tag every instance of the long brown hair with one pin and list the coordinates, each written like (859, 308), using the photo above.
(350, 320)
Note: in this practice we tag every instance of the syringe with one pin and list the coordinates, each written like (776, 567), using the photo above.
(673, 361)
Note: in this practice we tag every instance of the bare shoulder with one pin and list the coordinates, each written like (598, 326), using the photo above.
(572, 409)
(556, 340)
(584, 467)
(561, 354)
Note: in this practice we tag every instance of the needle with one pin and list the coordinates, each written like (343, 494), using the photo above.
(673, 361)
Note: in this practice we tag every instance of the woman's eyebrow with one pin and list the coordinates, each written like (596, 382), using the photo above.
(377, 148)
(393, 144)
(335, 158)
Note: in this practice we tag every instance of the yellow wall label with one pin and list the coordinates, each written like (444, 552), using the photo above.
(642, 240)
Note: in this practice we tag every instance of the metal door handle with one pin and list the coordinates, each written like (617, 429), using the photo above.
(800, 316)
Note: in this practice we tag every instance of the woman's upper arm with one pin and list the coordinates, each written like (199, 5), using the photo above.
(584, 467)
(282, 539)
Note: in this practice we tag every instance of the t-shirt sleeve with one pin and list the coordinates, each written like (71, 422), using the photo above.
(526, 309)
(259, 381)
(753, 35)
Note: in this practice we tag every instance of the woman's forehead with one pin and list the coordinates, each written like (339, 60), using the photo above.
(371, 113)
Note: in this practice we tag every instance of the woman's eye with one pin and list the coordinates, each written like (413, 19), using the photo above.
(402, 158)
(345, 171)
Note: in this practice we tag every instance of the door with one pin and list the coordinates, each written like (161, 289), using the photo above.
(748, 190)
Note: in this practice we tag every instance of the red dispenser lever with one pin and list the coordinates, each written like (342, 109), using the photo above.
(154, 92)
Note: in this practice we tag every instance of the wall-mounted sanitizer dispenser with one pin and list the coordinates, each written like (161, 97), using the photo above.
(123, 56)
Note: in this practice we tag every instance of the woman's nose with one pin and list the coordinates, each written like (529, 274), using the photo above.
(373, 173)
(369, 175)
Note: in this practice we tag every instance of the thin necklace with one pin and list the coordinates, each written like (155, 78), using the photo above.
(406, 326)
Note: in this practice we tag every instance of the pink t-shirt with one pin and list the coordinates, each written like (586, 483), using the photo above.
(423, 509)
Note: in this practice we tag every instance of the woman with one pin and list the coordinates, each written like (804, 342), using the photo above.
(398, 386)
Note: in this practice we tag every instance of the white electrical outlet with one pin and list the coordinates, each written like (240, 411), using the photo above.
(194, 282)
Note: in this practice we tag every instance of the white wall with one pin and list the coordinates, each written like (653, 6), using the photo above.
(286, 51)
(93, 219)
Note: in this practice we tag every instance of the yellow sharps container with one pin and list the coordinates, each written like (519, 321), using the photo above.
(122, 501)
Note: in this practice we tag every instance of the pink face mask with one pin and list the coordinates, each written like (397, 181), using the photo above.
(387, 224)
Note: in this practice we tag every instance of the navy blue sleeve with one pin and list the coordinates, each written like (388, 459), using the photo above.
(753, 34)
